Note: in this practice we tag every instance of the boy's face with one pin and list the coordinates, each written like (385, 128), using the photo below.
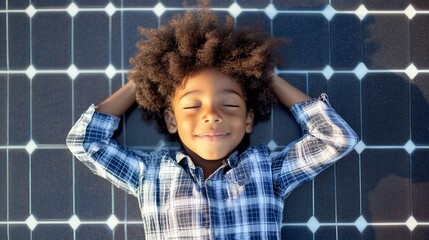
(209, 113)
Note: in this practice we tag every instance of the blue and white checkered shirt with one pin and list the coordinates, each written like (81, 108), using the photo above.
(243, 199)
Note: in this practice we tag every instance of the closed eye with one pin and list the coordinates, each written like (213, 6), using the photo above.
(231, 105)
(191, 107)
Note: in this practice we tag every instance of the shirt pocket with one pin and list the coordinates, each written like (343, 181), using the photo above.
(237, 178)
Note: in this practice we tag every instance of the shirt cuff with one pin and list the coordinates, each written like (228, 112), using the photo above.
(101, 121)
(303, 110)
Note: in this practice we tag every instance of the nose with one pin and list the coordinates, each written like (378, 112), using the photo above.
(211, 115)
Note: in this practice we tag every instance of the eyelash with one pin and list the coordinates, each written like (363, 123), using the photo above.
(225, 105)
(193, 107)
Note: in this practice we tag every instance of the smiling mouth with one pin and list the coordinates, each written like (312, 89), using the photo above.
(212, 136)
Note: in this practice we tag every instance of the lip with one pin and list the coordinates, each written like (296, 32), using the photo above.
(212, 136)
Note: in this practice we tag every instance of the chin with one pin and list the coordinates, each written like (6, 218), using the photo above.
(213, 157)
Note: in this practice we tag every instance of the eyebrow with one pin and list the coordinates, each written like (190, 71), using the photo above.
(222, 91)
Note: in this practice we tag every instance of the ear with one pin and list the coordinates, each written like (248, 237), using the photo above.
(249, 121)
(170, 121)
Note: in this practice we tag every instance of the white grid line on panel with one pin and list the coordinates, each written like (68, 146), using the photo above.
(114, 222)
(110, 71)
(7, 123)
(123, 77)
(235, 10)
(149, 148)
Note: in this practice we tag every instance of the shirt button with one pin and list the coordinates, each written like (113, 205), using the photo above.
(216, 232)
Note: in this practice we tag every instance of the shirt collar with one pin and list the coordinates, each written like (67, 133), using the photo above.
(183, 159)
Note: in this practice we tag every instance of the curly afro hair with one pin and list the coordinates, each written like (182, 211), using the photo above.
(196, 40)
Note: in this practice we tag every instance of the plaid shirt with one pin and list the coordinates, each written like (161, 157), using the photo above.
(243, 199)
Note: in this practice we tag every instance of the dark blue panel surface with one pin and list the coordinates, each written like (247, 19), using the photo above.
(51, 102)
(420, 182)
(3, 42)
(385, 109)
(388, 187)
(137, 3)
(420, 109)
(130, 24)
(19, 41)
(133, 209)
(255, 20)
(3, 109)
(21, 232)
(261, 133)
(325, 233)
(297, 4)
(116, 39)
(51, 185)
(135, 230)
(52, 232)
(19, 185)
(89, 231)
(324, 196)
(387, 232)
(347, 188)
(317, 84)
(420, 232)
(193, 3)
(308, 46)
(51, 31)
(126, 206)
(349, 233)
(3, 186)
(386, 40)
(92, 3)
(17, 4)
(19, 112)
(420, 4)
(297, 233)
(91, 40)
(346, 39)
(345, 4)
(120, 202)
(84, 93)
(285, 128)
(344, 97)
(419, 35)
(50, 3)
(253, 3)
(385, 4)
(140, 132)
(298, 207)
(93, 195)
(3, 231)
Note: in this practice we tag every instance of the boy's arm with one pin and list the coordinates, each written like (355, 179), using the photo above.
(286, 93)
(120, 101)
(326, 138)
(90, 140)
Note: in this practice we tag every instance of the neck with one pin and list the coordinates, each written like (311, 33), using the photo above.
(208, 166)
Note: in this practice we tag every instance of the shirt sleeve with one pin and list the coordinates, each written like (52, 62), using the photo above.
(326, 138)
(90, 141)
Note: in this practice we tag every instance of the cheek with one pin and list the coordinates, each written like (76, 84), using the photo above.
(239, 124)
(185, 125)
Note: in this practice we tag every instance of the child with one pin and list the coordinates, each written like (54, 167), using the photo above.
(209, 83)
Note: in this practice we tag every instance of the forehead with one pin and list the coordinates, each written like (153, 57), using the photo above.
(208, 80)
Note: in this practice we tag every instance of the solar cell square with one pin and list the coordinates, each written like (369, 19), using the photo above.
(19, 41)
